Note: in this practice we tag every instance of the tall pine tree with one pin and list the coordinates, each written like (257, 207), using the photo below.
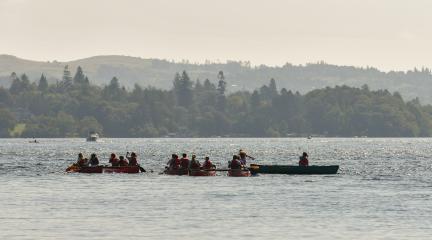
(79, 77)
(43, 84)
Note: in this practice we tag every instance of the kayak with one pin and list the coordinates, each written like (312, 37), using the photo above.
(103, 169)
(122, 169)
(292, 169)
(199, 172)
(76, 168)
(181, 171)
(239, 173)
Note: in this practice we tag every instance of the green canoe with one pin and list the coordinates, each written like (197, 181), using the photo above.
(291, 169)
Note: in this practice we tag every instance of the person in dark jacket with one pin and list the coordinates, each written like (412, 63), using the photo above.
(133, 161)
(94, 161)
(123, 162)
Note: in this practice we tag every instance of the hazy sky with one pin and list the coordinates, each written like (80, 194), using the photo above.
(388, 34)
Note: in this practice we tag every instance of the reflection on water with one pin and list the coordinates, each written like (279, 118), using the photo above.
(383, 191)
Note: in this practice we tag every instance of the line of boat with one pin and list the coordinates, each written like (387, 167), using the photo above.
(254, 169)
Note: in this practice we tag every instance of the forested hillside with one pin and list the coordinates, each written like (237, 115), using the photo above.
(240, 76)
(73, 106)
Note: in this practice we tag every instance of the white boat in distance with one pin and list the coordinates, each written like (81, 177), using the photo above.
(93, 137)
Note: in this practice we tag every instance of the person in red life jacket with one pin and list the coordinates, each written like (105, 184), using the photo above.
(194, 163)
(81, 161)
(133, 161)
(208, 164)
(114, 160)
(123, 162)
(174, 162)
(235, 163)
(184, 161)
(304, 161)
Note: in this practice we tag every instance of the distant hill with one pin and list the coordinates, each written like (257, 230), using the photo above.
(239, 75)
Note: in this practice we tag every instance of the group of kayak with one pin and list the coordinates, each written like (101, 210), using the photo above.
(175, 166)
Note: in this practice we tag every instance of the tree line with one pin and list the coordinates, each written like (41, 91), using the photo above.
(73, 106)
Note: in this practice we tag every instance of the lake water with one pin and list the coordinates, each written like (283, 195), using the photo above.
(382, 191)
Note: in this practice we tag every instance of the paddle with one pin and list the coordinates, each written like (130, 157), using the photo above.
(142, 169)
(226, 169)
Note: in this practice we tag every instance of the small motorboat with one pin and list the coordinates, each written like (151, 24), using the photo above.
(92, 137)
(293, 169)
(202, 172)
(239, 173)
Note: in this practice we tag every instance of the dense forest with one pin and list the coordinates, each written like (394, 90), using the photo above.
(241, 76)
(73, 106)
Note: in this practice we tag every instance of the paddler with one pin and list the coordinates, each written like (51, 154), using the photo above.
(81, 161)
(243, 157)
(184, 161)
(94, 161)
(174, 162)
(208, 164)
(304, 161)
(133, 161)
(194, 163)
(235, 163)
(114, 160)
(122, 161)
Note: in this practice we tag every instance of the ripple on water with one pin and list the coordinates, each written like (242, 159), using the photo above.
(383, 191)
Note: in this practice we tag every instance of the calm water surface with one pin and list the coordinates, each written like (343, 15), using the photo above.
(383, 191)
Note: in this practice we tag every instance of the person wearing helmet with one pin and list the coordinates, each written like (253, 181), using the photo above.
(304, 161)
(114, 160)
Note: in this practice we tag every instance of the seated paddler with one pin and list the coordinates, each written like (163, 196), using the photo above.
(304, 161)
(114, 160)
(133, 160)
(94, 161)
(123, 162)
(235, 163)
(174, 162)
(81, 161)
(184, 161)
(194, 164)
(208, 164)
